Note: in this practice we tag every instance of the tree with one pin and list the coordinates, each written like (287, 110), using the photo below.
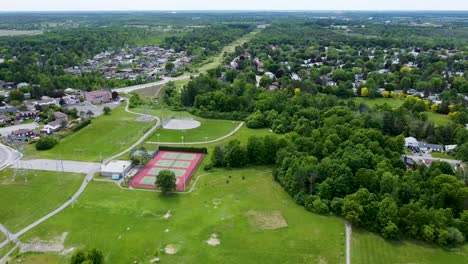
(364, 91)
(235, 154)
(107, 110)
(78, 257)
(16, 95)
(390, 231)
(46, 143)
(169, 66)
(89, 113)
(217, 158)
(93, 256)
(166, 181)
(461, 152)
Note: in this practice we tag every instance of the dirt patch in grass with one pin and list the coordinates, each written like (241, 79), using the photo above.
(214, 240)
(266, 220)
(37, 245)
(170, 249)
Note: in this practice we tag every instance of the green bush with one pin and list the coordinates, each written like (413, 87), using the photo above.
(46, 143)
(81, 125)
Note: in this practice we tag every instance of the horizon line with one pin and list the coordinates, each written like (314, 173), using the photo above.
(237, 10)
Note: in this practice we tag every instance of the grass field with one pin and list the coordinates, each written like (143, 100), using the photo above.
(371, 248)
(441, 155)
(210, 128)
(214, 61)
(2, 237)
(379, 101)
(23, 203)
(129, 226)
(106, 136)
(436, 118)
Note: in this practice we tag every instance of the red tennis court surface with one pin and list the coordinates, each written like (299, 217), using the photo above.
(183, 164)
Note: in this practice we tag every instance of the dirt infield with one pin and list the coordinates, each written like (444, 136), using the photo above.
(181, 163)
(181, 124)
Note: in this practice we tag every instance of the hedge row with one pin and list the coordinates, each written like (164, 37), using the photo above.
(185, 149)
(82, 125)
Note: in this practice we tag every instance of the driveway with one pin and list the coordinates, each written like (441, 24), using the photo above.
(5, 131)
(57, 165)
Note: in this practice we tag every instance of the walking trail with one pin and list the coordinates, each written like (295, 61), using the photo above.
(348, 242)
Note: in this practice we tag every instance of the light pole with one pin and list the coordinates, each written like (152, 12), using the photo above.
(158, 139)
(183, 143)
(206, 142)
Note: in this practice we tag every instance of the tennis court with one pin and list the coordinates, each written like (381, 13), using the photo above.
(181, 163)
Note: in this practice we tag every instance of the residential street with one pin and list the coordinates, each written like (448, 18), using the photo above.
(7, 156)
(427, 157)
(146, 85)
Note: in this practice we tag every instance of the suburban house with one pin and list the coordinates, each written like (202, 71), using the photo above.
(419, 146)
(52, 127)
(7, 109)
(425, 147)
(60, 121)
(116, 169)
(61, 116)
(21, 135)
(98, 97)
(25, 115)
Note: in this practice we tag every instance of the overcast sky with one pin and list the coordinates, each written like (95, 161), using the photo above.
(80, 5)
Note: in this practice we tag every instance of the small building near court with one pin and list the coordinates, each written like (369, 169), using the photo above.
(116, 169)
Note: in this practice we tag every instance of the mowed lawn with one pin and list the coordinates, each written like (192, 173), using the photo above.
(107, 135)
(23, 202)
(367, 247)
(129, 226)
(210, 128)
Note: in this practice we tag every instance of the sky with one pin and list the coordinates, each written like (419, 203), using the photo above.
(114, 5)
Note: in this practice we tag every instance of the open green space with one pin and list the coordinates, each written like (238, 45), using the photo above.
(367, 247)
(106, 136)
(2, 237)
(210, 128)
(371, 102)
(24, 202)
(436, 118)
(214, 61)
(129, 226)
(38, 258)
(442, 155)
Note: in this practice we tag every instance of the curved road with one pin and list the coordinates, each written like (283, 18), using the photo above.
(8, 156)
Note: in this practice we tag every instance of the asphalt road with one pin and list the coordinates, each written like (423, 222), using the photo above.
(7, 156)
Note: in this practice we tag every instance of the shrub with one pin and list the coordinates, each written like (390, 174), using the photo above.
(46, 143)
(208, 167)
(81, 125)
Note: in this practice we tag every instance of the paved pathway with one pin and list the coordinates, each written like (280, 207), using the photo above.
(201, 142)
(139, 141)
(9, 237)
(57, 165)
(86, 180)
(348, 242)
(8, 156)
